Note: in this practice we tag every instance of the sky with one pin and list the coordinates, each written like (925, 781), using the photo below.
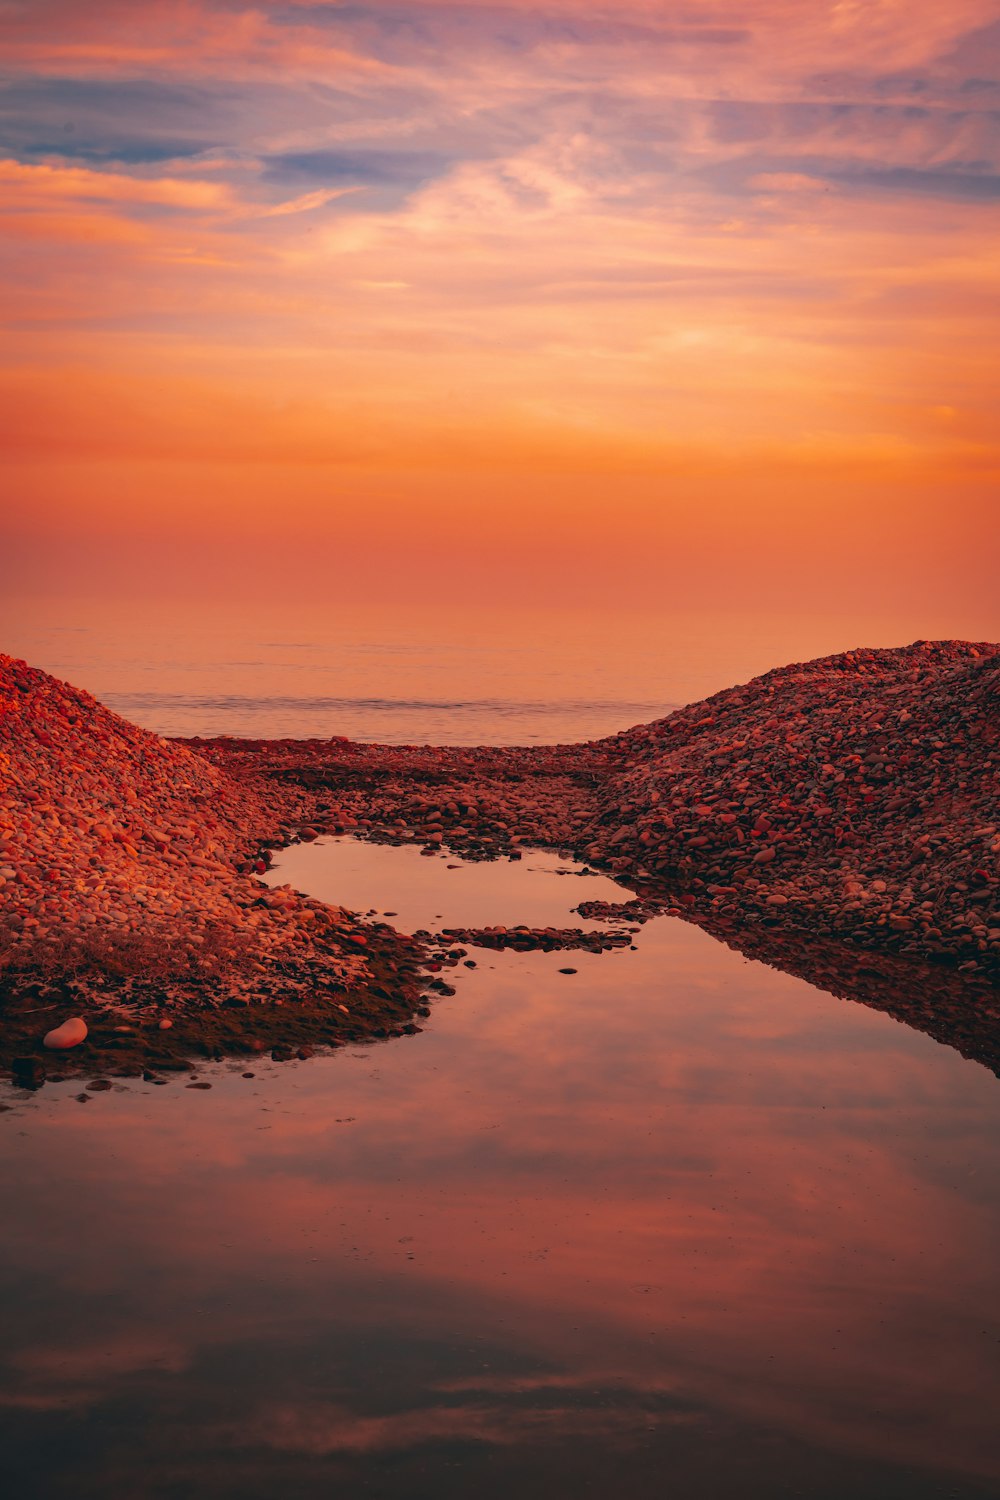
(633, 304)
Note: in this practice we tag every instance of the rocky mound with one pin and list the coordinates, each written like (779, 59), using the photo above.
(124, 886)
(857, 797)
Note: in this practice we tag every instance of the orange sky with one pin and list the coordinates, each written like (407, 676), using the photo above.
(452, 289)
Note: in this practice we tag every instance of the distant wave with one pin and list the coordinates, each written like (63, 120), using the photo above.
(405, 721)
(270, 704)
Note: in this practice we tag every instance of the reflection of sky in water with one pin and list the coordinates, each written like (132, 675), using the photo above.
(674, 1224)
(349, 872)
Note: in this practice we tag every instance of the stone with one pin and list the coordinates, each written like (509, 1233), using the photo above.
(28, 1072)
(70, 1034)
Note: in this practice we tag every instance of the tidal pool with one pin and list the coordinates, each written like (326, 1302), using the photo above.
(676, 1224)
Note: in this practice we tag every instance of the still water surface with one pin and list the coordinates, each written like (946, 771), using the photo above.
(445, 675)
(676, 1224)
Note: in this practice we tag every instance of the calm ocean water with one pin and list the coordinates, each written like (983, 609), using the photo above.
(445, 676)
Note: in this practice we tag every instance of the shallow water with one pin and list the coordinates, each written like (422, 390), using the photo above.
(674, 1224)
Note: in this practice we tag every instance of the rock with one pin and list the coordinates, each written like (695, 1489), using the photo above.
(70, 1034)
(28, 1072)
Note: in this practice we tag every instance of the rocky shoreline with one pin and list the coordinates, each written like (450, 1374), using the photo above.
(849, 806)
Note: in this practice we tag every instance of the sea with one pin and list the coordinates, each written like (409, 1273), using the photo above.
(407, 675)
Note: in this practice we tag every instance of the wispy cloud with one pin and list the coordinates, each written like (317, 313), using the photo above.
(23, 185)
(306, 203)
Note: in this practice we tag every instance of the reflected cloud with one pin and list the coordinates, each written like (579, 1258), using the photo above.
(938, 1001)
(330, 1429)
(677, 1188)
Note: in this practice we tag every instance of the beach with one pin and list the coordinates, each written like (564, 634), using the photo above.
(823, 812)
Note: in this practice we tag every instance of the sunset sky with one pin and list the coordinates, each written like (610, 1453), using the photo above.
(692, 302)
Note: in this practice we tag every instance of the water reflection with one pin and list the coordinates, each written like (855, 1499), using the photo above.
(674, 1223)
(953, 1008)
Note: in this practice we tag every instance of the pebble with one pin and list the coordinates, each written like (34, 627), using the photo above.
(70, 1034)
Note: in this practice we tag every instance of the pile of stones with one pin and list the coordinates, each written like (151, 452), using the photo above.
(857, 796)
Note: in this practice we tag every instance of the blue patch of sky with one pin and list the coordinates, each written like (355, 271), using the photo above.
(125, 120)
(138, 124)
(738, 122)
(119, 153)
(968, 181)
(332, 168)
(975, 186)
(392, 32)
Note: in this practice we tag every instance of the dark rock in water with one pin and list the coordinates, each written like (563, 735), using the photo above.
(28, 1072)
